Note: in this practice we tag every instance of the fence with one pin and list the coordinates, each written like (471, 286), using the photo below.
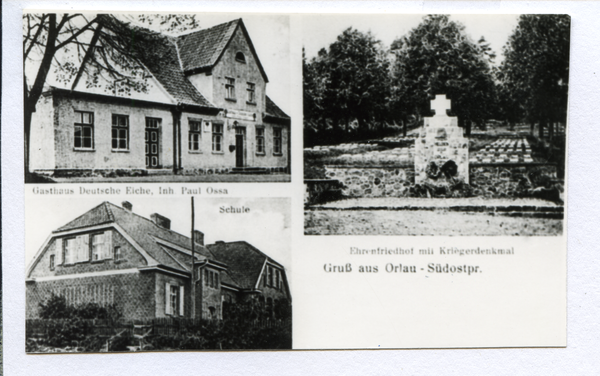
(160, 326)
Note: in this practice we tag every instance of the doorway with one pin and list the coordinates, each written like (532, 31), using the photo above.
(152, 137)
(240, 151)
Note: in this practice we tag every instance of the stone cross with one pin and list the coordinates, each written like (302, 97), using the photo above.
(440, 104)
(441, 150)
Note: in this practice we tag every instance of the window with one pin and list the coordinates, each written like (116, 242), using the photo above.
(117, 254)
(69, 249)
(120, 132)
(51, 262)
(211, 278)
(98, 247)
(217, 137)
(269, 276)
(153, 123)
(194, 135)
(84, 130)
(174, 299)
(273, 277)
(276, 140)
(77, 249)
(101, 244)
(250, 90)
(230, 88)
(240, 57)
(260, 140)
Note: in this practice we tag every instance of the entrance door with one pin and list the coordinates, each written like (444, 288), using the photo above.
(240, 137)
(152, 142)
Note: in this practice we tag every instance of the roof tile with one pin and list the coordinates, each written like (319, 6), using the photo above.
(201, 49)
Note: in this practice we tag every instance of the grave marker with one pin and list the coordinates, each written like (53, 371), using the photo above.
(441, 150)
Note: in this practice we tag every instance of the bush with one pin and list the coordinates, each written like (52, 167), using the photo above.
(66, 332)
(55, 308)
(93, 343)
(120, 343)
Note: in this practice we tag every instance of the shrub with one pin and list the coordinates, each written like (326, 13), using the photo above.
(93, 343)
(55, 308)
(120, 343)
(66, 332)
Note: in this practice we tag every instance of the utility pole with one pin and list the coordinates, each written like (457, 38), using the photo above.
(193, 275)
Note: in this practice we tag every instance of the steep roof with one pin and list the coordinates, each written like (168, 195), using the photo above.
(170, 59)
(158, 53)
(202, 49)
(244, 261)
(143, 231)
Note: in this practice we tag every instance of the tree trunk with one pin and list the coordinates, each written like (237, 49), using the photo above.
(532, 128)
(404, 125)
(27, 138)
(551, 130)
(467, 128)
(32, 96)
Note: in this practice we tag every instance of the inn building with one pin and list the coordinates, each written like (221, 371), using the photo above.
(205, 110)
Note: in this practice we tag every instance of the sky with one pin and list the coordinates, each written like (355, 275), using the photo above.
(266, 226)
(319, 31)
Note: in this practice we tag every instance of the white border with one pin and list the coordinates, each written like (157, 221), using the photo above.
(580, 356)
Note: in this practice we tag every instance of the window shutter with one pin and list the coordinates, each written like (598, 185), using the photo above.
(107, 244)
(181, 301)
(58, 248)
(84, 254)
(168, 299)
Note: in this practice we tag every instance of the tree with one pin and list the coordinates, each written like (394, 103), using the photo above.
(535, 72)
(437, 57)
(78, 45)
(313, 86)
(348, 82)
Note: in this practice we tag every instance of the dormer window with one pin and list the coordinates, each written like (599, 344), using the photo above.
(240, 57)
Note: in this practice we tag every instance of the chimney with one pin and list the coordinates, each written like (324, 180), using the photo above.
(127, 205)
(161, 220)
(199, 237)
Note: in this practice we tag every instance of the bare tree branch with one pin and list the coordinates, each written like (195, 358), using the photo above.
(88, 54)
(35, 38)
(74, 36)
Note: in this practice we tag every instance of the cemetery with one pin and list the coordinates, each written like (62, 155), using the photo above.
(438, 171)
(428, 133)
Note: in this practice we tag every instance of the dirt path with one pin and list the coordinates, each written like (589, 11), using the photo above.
(436, 223)
(399, 202)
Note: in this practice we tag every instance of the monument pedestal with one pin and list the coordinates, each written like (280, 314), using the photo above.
(441, 150)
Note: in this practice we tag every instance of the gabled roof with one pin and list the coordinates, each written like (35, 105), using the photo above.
(171, 59)
(202, 49)
(244, 261)
(158, 53)
(144, 232)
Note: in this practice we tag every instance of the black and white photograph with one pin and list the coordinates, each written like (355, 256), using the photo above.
(156, 97)
(439, 125)
(158, 275)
